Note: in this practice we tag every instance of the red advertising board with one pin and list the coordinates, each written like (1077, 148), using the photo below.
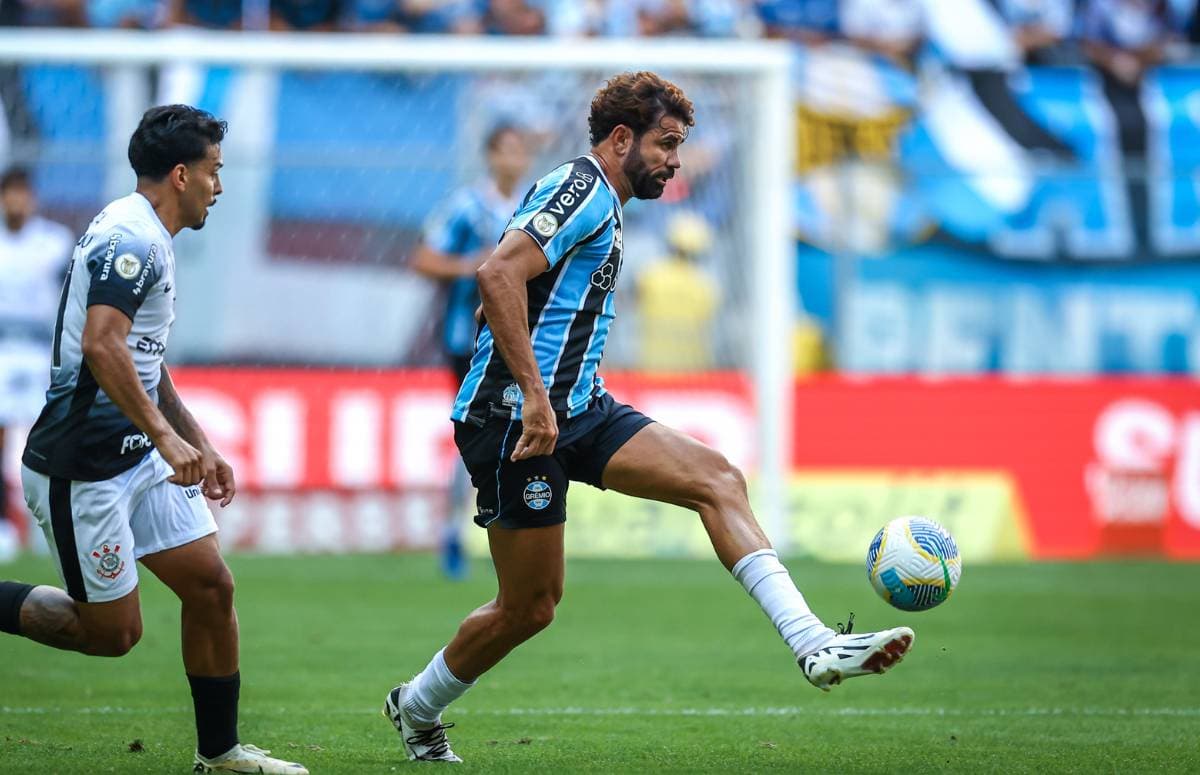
(1100, 466)
(1106, 466)
(360, 430)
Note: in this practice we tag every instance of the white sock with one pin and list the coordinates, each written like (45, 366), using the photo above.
(433, 690)
(768, 582)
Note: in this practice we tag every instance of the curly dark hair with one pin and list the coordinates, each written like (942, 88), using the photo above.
(172, 134)
(639, 101)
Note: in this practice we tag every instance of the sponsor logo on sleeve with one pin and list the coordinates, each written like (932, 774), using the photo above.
(545, 224)
(127, 265)
(109, 252)
(151, 257)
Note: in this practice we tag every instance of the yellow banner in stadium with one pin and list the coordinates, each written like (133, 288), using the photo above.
(832, 516)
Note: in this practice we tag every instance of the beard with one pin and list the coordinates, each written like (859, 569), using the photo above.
(644, 184)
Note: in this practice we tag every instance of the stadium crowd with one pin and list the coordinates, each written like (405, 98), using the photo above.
(1119, 35)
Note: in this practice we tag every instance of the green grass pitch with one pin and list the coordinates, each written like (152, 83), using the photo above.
(651, 666)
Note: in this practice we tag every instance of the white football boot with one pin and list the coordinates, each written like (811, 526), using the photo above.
(849, 656)
(248, 758)
(422, 742)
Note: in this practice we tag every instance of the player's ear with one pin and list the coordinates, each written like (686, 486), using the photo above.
(178, 176)
(622, 138)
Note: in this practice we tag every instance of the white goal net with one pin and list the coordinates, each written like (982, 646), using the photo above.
(340, 148)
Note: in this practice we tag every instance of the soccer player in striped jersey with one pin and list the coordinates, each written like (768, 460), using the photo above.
(116, 469)
(533, 414)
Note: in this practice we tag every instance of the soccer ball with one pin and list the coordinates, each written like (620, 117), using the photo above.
(913, 563)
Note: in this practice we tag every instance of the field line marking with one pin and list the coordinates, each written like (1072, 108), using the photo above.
(663, 712)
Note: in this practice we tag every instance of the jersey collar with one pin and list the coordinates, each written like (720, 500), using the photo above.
(596, 163)
(489, 192)
(144, 203)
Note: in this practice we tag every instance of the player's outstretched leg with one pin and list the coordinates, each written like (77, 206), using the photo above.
(529, 569)
(197, 574)
(662, 464)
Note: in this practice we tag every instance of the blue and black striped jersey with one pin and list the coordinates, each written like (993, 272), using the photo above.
(574, 216)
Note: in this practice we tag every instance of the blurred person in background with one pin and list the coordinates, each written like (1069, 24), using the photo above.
(17, 125)
(678, 300)
(513, 17)
(687, 18)
(458, 239)
(44, 13)
(209, 14)
(800, 21)
(34, 253)
(1123, 39)
(305, 15)
(442, 17)
(127, 14)
(893, 29)
(1042, 29)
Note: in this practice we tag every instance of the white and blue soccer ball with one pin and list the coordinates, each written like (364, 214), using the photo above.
(913, 563)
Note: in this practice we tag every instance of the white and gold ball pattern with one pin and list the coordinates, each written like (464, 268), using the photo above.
(913, 563)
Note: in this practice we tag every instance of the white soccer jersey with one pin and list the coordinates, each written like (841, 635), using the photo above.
(124, 260)
(32, 260)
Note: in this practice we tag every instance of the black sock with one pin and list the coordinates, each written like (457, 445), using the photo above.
(12, 596)
(216, 701)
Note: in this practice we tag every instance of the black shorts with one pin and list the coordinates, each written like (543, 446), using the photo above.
(533, 492)
(459, 365)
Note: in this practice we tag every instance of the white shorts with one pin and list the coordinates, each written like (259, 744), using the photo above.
(24, 377)
(98, 530)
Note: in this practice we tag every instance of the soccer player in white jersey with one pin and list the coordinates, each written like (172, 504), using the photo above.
(532, 415)
(116, 469)
(33, 257)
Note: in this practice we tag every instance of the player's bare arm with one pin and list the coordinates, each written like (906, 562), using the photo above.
(107, 354)
(220, 485)
(502, 279)
(437, 265)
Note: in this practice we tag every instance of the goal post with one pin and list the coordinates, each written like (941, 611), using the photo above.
(447, 88)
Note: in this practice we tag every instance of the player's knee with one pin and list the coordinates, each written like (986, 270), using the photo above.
(532, 615)
(540, 615)
(720, 482)
(114, 642)
(213, 591)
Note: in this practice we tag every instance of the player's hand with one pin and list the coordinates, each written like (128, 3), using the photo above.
(184, 459)
(218, 478)
(539, 428)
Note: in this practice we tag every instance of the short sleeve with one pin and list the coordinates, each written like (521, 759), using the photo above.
(448, 230)
(569, 206)
(123, 269)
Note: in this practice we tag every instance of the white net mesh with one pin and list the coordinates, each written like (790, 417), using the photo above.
(337, 154)
(330, 176)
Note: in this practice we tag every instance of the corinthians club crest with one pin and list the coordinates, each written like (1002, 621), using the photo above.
(109, 563)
